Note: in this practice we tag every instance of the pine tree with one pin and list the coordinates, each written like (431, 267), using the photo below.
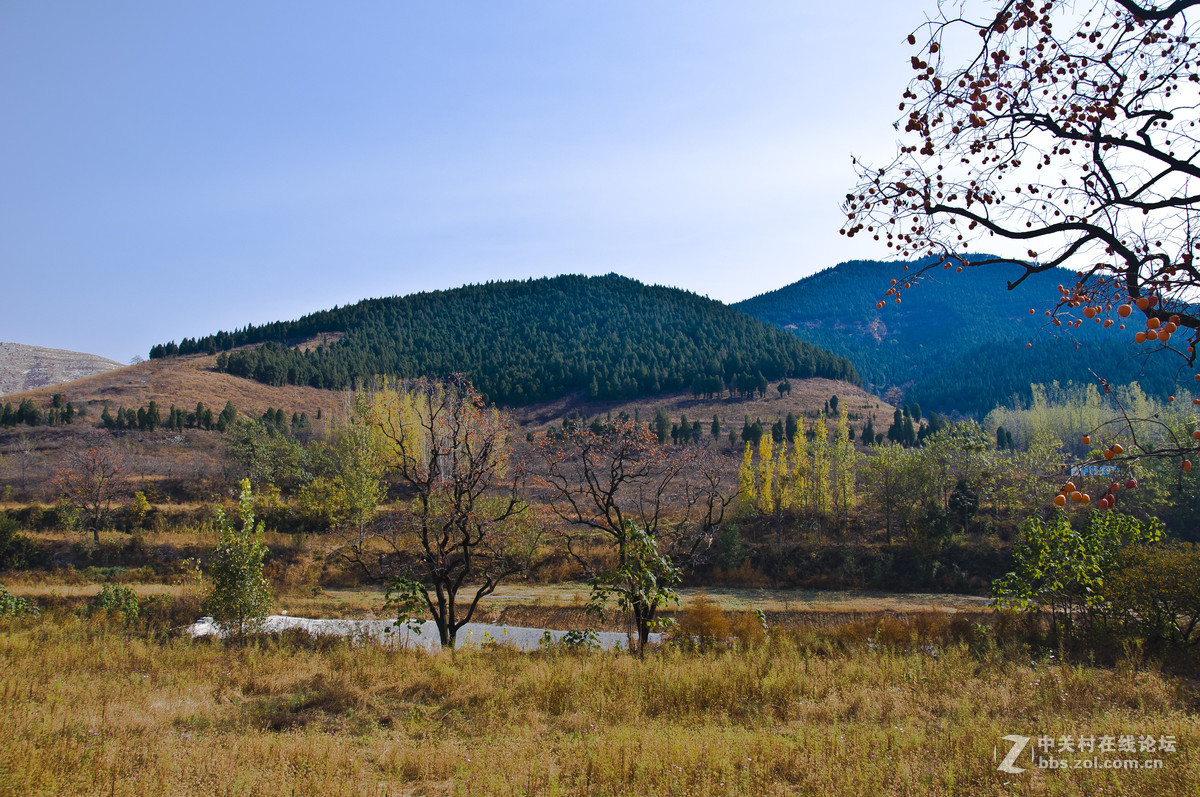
(153, 418)
(662, 425)
(229, 414)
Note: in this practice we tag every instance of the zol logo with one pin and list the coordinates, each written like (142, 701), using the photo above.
(1018, 746)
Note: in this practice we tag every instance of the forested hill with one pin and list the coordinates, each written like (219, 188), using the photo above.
(528, 341)
(956, 343)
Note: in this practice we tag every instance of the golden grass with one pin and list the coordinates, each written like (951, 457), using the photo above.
(49, 591)
(89, 710)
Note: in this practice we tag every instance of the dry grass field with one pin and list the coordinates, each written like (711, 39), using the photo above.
(92, 709)
(849, 694)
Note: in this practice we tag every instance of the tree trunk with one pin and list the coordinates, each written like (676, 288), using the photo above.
(642, 615)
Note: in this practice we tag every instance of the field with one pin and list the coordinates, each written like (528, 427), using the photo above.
(853, 693)
(919, 709)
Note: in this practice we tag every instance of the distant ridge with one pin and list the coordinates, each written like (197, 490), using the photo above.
(959, 341)
(25, 367)
(527, 341)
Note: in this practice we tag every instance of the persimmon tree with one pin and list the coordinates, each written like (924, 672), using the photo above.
(653, 509)
(1071, 129)
(458, 530)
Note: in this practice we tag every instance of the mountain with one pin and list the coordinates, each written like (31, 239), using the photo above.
(30, 367)
(525, 341)
(957, 343)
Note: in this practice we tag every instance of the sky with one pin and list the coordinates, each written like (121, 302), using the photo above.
(169, 170)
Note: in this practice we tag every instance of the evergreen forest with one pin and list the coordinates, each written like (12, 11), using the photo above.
(526, 341)
(958, 343)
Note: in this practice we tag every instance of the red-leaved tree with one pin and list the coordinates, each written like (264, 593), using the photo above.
(92, 479)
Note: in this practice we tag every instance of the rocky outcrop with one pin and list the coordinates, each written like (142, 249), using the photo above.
(28, 367)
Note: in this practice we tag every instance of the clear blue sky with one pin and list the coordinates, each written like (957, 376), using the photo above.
(171, 169)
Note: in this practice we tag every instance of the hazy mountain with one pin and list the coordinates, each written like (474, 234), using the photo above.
(958, 341)
(525, 341)
(30, 367)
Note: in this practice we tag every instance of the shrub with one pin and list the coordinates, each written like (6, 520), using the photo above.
(703, 624)
(115, 601)
(13, 606)
(1154, 595)
(1063, 569)
(749, 629)
(16, 550)
(585, 641)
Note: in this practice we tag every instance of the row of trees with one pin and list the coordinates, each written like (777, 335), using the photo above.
(28, 413)
(149, 418)
(810, 474)
(921, 494)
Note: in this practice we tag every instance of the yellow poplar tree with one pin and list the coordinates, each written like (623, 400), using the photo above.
(845, 460)
(766, 475)
(746, 488)
(797, 495)
(819, 467)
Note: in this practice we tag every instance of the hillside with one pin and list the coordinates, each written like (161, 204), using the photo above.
(191, 465)
(957, 343)
(526, 341)
(30, 367)
(807, 397)
(182, 381)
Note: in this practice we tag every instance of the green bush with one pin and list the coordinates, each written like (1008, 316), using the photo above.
(115, 601)
(12, 606)
(1154, 596)
(16, 550)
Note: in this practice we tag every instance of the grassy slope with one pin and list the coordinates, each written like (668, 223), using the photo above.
(808, 395)
(183, 381)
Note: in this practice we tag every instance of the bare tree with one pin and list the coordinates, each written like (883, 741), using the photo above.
(458, 529)
(654, 507)
(92, 479)
(25, 452)
(1070, 128)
